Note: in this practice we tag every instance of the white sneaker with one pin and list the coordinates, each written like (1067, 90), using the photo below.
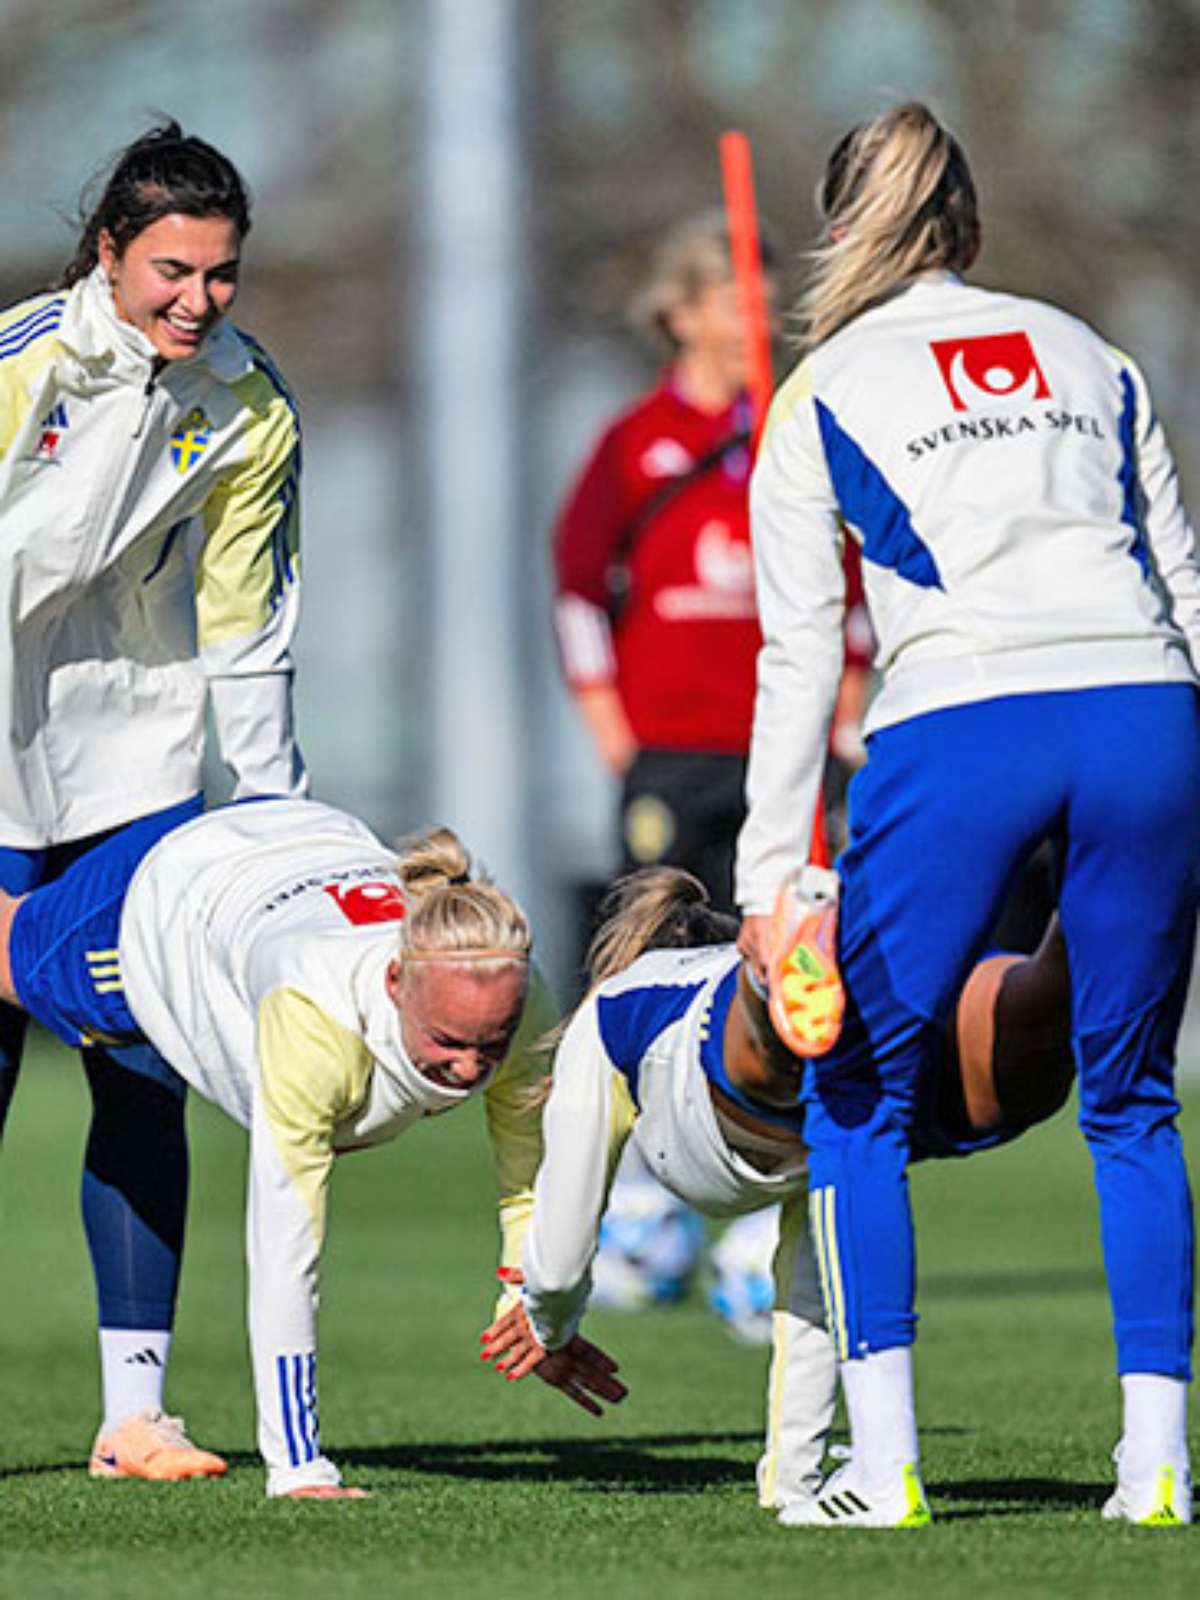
(1164, 1501)
(842, 1502)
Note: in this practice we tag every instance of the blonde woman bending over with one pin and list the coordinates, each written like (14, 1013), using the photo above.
(327, 994)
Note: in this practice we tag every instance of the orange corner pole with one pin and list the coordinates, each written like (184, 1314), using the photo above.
(741, 210)
(742, 213)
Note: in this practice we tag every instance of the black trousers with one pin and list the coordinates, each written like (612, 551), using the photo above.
(684, 808)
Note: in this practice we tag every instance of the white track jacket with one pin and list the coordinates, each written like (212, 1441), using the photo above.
(148, 526)
(1019, 516)
(254, 943)
(629, 1066)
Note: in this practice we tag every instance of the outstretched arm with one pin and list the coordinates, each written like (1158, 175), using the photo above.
(588, 1117)
(311, 1071)
(581, 1370)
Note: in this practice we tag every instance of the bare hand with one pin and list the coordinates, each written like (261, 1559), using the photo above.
(752, 944)
(581, 1370)
(325, 1491)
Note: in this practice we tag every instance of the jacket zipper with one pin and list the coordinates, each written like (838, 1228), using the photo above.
(148, 396)
(107, 510)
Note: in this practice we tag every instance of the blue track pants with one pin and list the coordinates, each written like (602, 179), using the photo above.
(944, 813)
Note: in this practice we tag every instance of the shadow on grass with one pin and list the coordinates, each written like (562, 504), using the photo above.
(635, 1463)
(968, 1499)
(615, 1463)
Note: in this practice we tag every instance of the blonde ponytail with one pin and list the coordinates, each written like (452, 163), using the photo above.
(452, 915)
(897, 199)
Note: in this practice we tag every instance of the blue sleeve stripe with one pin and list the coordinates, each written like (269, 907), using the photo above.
(1127, 474)
(870, 503)
(263, 363)
(31, 328)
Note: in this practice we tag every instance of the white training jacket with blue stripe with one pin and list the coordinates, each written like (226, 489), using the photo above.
(1021, 528)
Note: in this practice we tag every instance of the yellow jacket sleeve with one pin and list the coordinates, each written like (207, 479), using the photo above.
(514, 1100)
(248, 564)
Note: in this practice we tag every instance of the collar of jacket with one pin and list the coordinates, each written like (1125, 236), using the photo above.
(106, 347)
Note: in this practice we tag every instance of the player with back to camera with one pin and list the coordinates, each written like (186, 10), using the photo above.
(327, 993)
(149, 457)
(1032, 579)
(672, 1049)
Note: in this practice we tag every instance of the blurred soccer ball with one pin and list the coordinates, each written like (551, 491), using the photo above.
(650, 1248)
(742, 1290)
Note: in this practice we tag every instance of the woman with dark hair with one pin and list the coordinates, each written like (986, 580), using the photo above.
(673, 1049)
(149, 458)
(1033, 582)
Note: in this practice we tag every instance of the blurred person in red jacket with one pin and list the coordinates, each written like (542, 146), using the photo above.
(655, 611)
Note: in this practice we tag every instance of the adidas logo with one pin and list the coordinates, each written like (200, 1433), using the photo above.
(143, 1358)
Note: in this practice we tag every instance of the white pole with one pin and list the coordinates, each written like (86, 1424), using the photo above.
(469, 402)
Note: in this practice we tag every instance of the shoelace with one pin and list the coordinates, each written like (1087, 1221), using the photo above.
(170, 1431)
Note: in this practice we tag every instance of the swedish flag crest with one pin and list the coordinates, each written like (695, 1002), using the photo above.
(190, 440)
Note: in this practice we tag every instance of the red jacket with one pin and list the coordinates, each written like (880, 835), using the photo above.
(683, 649)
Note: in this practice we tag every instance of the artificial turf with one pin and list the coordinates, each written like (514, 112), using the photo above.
(482, 1488)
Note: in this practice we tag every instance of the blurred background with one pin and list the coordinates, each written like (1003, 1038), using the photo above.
(454, 202)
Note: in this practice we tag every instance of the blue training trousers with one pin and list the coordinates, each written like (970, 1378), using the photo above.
(945, 811)
(135, 1174)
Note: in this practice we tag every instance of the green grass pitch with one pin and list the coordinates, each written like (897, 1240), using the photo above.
(485, 1489)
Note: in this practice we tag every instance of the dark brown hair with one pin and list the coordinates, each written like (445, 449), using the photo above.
(165, 172)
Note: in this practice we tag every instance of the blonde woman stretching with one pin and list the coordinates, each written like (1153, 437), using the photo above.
(327, 994)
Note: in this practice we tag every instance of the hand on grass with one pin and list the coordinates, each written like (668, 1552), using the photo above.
(580, 1369)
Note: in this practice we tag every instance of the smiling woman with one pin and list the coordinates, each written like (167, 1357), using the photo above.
(149, 460)
(176, 280)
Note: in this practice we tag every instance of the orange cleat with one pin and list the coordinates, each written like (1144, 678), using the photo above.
(152, 1445)
(805, 996)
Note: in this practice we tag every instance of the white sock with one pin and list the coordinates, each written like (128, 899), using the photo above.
(883, 1422)
(133, 1365)
(1155, 1423)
